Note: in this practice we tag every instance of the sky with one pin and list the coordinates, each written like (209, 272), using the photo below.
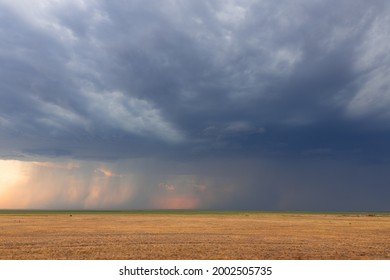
(234, 104)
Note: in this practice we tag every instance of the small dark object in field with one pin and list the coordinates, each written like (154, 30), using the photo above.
(371, 215)
(70, 215)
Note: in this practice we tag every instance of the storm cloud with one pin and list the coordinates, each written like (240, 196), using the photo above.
(197, 104)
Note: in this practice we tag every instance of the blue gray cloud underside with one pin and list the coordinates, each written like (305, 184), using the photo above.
(280, 78)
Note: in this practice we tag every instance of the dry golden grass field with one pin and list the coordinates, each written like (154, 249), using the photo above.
(193, 235)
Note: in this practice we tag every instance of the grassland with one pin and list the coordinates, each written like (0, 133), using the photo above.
(193, 235)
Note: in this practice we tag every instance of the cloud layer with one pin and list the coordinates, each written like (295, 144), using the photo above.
(199, 81)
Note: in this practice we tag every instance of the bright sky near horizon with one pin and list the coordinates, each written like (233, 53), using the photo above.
(267, 105)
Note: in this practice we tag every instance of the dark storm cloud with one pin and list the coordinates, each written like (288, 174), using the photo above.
(184, 80)
(78, 73)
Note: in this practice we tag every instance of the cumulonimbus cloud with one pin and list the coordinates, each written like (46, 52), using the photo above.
(249, 84)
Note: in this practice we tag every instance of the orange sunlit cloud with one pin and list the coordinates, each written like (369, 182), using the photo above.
(61, 185)
(180, 193)
(97, 185)
(105, 172)
(179, 201)
(13, 174)
(103, 194)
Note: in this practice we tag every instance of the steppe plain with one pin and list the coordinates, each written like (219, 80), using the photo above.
(206, 235)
